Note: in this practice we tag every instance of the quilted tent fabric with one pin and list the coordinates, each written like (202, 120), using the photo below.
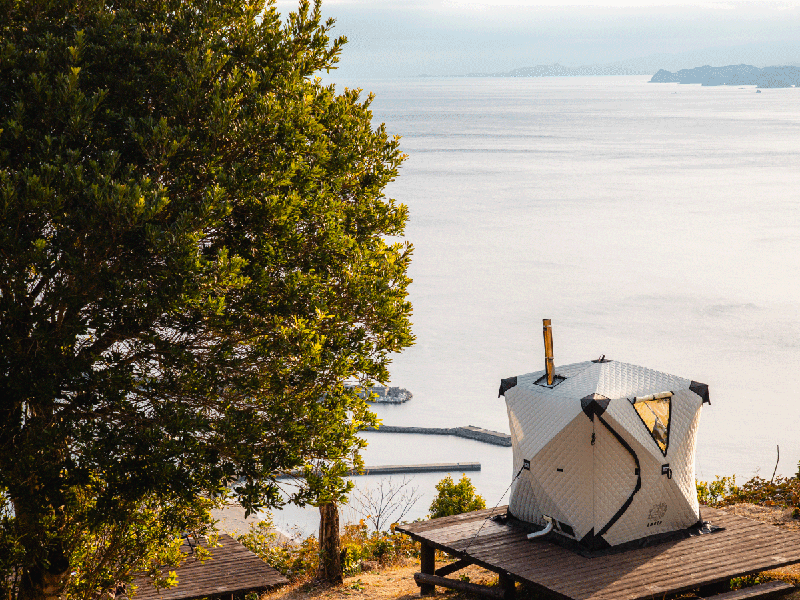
(596, 468)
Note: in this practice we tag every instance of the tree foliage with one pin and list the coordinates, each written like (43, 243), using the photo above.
(195, 254)
(147, 541)
(455, 498)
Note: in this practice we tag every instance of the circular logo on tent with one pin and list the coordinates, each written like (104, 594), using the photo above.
(658, 511)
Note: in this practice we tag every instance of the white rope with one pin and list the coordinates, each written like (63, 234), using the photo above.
(521, 469)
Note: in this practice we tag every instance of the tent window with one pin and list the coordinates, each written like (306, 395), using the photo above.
(654, 410)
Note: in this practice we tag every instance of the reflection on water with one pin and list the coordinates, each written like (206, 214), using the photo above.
(657, 224)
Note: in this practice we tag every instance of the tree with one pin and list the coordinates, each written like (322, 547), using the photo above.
(385, 503)
(195, 254)
(455, 498)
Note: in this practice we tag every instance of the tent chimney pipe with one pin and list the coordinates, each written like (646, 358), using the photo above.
(548, 350)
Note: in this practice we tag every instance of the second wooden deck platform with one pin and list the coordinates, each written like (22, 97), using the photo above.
(231, 571)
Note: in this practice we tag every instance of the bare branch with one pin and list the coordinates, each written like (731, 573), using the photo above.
(380, 504)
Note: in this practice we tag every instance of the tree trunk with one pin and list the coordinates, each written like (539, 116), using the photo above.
(47, 576)
(330, 559)
(42, 584)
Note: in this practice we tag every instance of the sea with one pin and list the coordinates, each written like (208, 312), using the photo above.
(655, 224)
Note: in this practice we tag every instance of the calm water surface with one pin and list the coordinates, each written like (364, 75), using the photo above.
(658, 224)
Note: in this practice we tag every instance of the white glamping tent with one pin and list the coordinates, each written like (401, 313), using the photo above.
(604, 451)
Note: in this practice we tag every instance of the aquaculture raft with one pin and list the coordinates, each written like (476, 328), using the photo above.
(703, 562)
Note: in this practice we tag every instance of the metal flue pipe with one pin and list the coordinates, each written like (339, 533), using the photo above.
(548, 351)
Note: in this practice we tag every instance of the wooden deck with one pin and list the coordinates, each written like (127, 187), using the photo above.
(745, 547)
(231, 570)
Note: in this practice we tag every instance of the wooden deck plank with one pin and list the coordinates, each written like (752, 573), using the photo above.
(646, 554)
(609, 585)
(464, 531)
(653, 572)
(231, 569)
(715, 555)
(456, 536)
(465, 538)
(467, 527)
(686, 579)
(668, 550)
(445, 521)
(645, 562)
(764, 590)
(548, 574)
(644, 586)
(744, 547)
(488, 542)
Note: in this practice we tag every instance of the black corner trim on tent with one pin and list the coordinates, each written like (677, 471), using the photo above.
(638, 471)
(506, 384)
(594, 542)
(603, 548)
(701, 389)
(594, 404)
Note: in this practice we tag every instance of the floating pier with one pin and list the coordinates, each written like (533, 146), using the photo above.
(394, 469)
(428, 468)
(470, 432)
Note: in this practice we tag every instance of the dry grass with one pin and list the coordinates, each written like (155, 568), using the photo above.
(772, 515)
(385, 583)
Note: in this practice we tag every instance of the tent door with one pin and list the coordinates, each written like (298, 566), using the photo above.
(617, 476)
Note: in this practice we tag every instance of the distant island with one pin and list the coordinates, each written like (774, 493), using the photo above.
(768, 77)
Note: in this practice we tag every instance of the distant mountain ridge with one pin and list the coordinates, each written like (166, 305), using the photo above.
(748, 54)
(768, 77)
(557, 70)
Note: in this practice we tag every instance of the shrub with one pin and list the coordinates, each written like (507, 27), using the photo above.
(717, 492)
(295, 561)
(455, 498)
(300, 561)
(386, 547)
(723, 491)
(779, 492)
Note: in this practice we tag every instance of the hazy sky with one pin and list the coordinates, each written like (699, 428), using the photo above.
(448, 37)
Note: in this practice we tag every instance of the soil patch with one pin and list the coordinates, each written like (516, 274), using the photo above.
(385, 583)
